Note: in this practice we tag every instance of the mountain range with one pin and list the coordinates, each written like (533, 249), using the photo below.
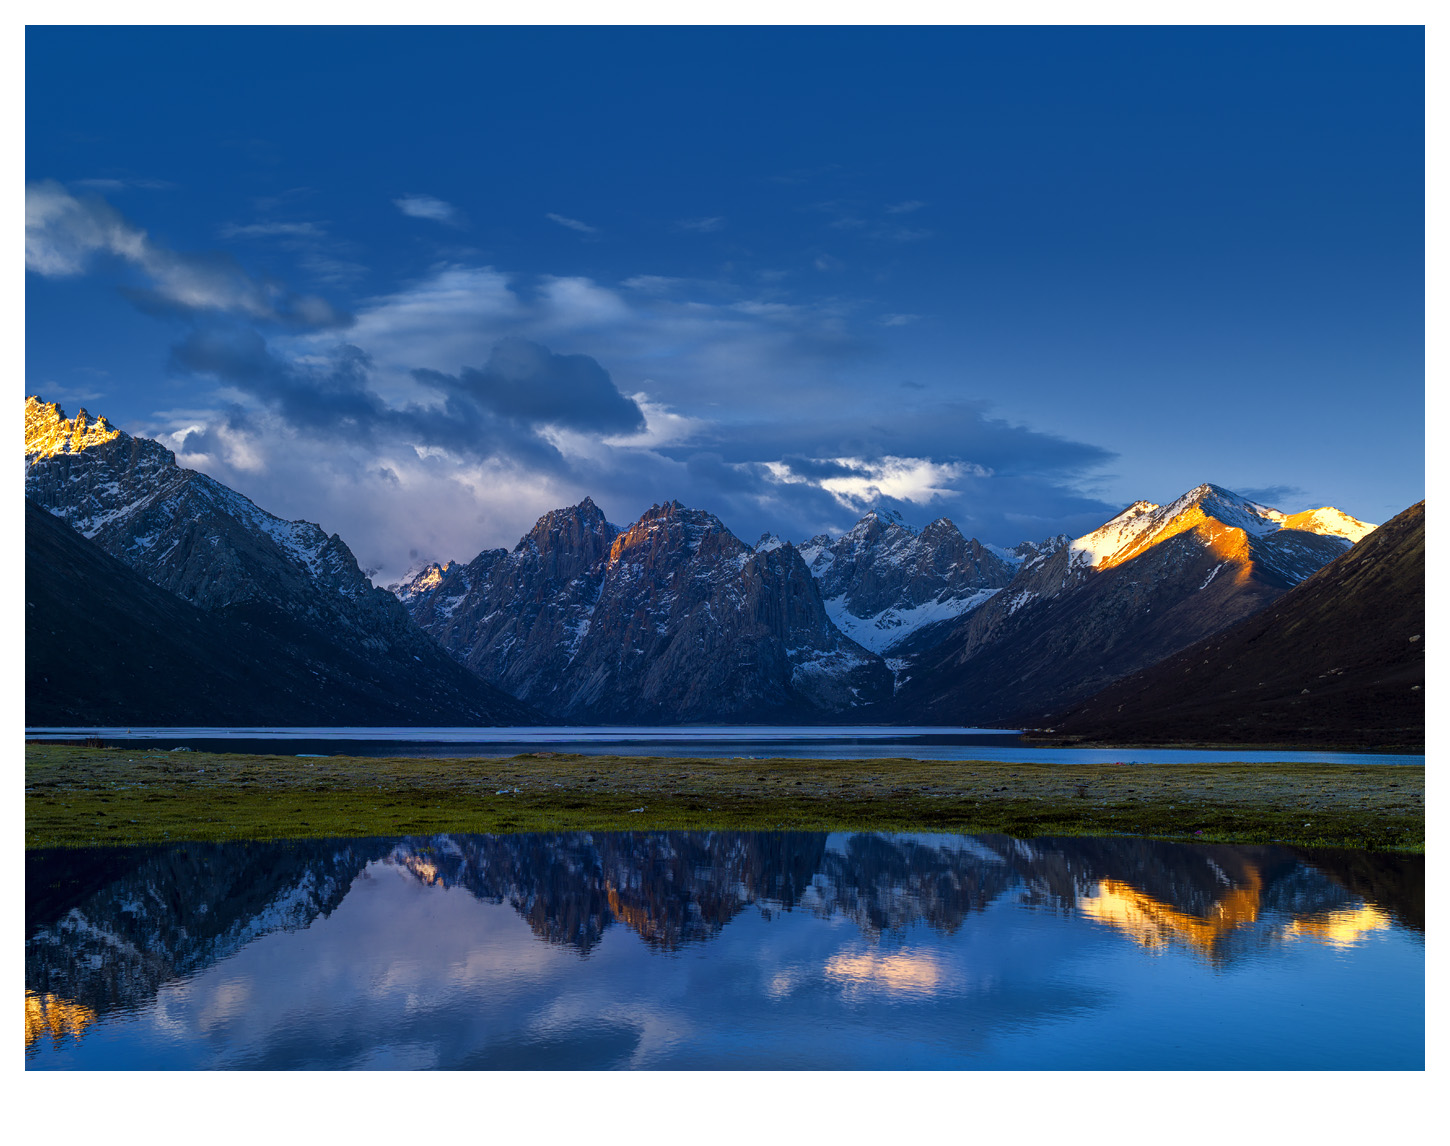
(670, 619)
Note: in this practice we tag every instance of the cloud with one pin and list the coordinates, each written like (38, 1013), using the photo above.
(124, 184)
(500, 410)
(428, 207)
(524, 382)
(572, 224)
(653, 284)
(663, 426)
(478, 383)
(905, 208)
(860, 482)
(898, 319)
(901, 234)
(64, 235)
(696, 342)
(703, 226)
(303, 230)
(318, 254)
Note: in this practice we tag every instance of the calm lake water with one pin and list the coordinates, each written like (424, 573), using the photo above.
(726, 950)
(845, 742)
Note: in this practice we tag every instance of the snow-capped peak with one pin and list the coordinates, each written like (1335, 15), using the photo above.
(1330, 521)
(1144, 524)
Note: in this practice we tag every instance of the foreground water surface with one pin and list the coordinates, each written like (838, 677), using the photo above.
(726, 950)
(815, 742)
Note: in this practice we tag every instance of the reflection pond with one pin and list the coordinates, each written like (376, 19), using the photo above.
(723, 950)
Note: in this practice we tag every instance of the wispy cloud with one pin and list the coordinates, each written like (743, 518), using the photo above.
(124, 184)
(703, 226)
(429, 207)
(898, 319)
(272, 230)
(901, 234)
(63, 235)
(319, 255)
(572, 224)
(905, 208)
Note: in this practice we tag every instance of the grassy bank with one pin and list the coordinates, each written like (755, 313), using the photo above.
(77, 797)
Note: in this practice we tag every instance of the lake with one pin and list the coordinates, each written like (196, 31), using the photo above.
(841, 742)
(723, 950)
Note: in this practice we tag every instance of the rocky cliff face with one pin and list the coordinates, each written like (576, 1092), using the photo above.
(883, 581)
(214, 549)
(1141, 587)
(673, 619)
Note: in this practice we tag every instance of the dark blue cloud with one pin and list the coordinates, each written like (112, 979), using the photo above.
(525, 382)
(496, 412)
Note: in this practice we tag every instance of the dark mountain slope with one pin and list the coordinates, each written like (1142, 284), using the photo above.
(103, 645)
(1340, 659)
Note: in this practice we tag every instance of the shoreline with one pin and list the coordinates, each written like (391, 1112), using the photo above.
(120, 796)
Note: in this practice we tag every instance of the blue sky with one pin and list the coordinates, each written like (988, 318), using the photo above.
(423, 285)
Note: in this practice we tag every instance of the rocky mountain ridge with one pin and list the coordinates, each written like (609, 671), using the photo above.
(672, 619)
(212, 548)
(882, 581)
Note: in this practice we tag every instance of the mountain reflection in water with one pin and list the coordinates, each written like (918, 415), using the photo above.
(986, 923)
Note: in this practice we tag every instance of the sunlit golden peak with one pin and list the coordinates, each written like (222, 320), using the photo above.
(1329, 520)
(1224, 520)
(49, 432)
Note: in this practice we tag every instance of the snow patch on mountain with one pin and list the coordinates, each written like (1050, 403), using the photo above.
(891, 626)
(1331, 522)
(1093, 549)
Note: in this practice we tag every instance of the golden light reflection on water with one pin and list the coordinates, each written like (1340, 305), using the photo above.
(54, 1016)
(902, 971)
(425, 870)
(636, 918)
(1343, 929)
(1155, 925)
